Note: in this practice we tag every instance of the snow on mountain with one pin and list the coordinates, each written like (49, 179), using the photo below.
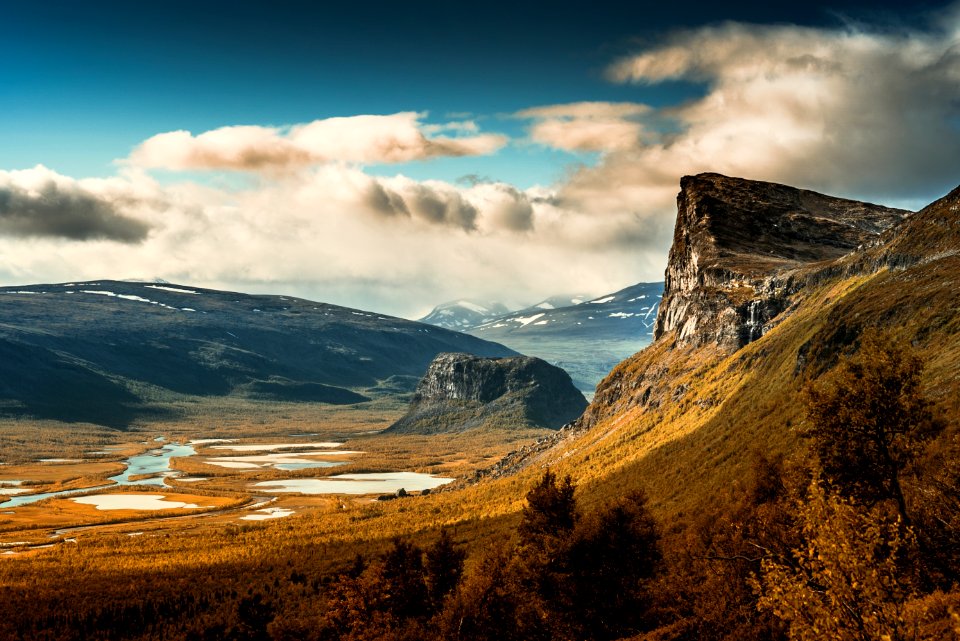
(464, 314)
(586, 335)
(628, 313)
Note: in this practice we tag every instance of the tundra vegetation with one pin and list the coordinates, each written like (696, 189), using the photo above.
(802, 549)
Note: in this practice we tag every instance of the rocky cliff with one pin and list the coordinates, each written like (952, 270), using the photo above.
(462, 391)
(748, 256)
(739, 246)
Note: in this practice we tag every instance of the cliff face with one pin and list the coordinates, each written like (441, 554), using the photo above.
(684, 416)
(462, 391)
(738, 247)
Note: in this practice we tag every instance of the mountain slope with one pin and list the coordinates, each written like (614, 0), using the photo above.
(460, 392)
(586, 339)
(81, 351)
(683, 417)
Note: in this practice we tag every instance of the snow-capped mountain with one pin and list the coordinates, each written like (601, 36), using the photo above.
(563, 300)
(628, 313)
(587, 338)
(464, 314)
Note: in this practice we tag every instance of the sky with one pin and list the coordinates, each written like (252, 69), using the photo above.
(394, 156)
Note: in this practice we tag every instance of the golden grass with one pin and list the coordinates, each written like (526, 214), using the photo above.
(60, 513)
(682, 425)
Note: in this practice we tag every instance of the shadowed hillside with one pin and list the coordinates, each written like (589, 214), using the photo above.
(83, 351)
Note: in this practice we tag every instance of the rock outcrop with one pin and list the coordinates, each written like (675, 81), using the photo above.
(461, 392)
(737, 247)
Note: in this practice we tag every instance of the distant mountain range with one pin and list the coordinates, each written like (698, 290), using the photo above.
(95, 351)
(461, 315)
(585, 335)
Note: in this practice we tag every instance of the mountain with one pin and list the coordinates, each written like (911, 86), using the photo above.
(461, 392)
(461, 315)
(759, 300)
(627, 313)
(740, 249)
(586, 339)
(562, 300)
(94, 351)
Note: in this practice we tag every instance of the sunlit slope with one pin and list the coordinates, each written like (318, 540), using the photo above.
(683, 420)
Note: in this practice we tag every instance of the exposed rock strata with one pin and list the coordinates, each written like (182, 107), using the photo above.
(462, 391)
(737, 247)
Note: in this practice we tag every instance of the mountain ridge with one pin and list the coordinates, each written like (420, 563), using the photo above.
(681, 417)
(79, 351)
(736, 245)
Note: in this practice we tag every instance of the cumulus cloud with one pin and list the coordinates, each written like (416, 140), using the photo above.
(337, 234)
(852, 112)
(859, 113)
(41, 203)
(587, 126)
(356, 139)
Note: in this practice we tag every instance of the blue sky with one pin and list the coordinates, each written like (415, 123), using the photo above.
(84, 85)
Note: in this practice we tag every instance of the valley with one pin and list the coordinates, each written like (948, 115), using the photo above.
(287, 516)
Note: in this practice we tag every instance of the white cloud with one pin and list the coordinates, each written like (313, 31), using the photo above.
(587, 126)
(337, 234)
(853, 112)
(356, 139)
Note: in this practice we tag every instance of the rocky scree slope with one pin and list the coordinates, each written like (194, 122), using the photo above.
(684, 416)
(461, 392)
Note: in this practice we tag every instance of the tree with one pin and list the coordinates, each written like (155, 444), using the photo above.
(541, 560)
(843, 581)
(614, 555)
(443, 565)
(868, 418)
(551, 510)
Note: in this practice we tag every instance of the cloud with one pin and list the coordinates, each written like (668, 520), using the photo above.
(854, 112)
(865, 114)
(38, 202)
(356, 139)
(587, 126)
(337, 234)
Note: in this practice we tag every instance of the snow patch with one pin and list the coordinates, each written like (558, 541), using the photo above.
(600, 301)
(526, 320)
(171, 289)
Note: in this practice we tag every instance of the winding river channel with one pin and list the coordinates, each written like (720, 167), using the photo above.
(154, 466)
